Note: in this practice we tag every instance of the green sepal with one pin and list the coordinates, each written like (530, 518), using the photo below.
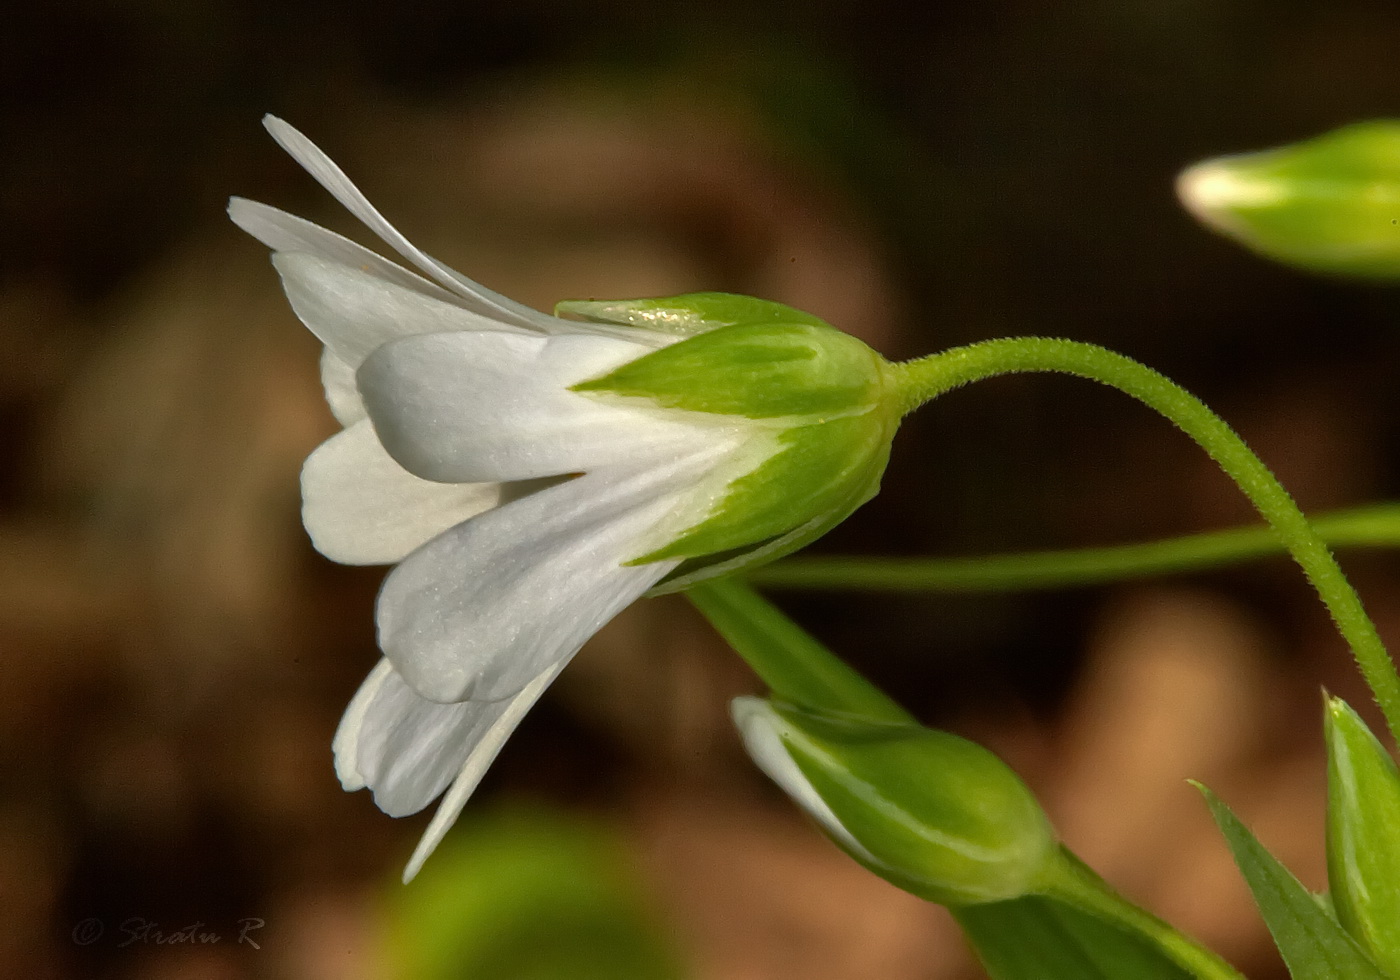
(1312, 941)
(757, 371)
(829, 468)
(1363, 834)
(820, 420)
(1330, 204)
(1036, 938)
(684, 315)
(943, 818)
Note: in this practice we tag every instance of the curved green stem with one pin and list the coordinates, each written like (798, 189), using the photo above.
(920, 380)
(1372, 526)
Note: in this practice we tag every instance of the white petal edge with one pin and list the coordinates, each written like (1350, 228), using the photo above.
(475, 767)
(285, 232)
(362, 508)
(338, 382)
(354, 312)
(497, 406)
(347, 733)
(482, 609)
(763, 731)
(407, 749)
(334, 180)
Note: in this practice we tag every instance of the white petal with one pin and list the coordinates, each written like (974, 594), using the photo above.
(333, 179)
(353, 312)
(483, 753)
(362, 508)
(338, 380)
(496, 406)
(763, 731)
(347, 733)
(283, 232)
(486, 607)
(407, 749)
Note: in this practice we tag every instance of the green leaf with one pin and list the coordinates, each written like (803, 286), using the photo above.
(1035, 938)
(791, 662)
(1363, 834)
(1313, 943)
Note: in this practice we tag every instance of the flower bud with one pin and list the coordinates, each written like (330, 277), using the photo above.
(937, 815)
(1329, 204)
(1363, 851)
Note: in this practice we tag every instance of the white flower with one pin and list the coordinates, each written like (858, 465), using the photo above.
(522, 514)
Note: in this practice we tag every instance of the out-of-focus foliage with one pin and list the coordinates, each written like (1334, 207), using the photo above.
(525, 895)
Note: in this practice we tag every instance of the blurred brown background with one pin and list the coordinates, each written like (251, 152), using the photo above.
(175, 656)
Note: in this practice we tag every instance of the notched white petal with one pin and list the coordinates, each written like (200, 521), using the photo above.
(498, 406)
(353, 312)
(362, 508)
(483, 753)
(284, 232)
(338, 381)
(408, 750)
(333, 179)
(487, 606)
(347, 734)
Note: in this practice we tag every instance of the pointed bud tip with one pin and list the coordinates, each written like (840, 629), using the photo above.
(1212, 190)
(935, 814)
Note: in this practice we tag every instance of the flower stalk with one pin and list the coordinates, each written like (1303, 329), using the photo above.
(925, 378)
(1369, 526)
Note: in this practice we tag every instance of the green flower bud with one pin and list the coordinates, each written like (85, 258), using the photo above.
(810, 411)
(1363, 834)
(1330, 204)
(937, 815)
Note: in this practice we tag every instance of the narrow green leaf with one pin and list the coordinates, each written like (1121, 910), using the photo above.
(1035, 938)
(1313, 944)
(1363, 834)
(794, 665)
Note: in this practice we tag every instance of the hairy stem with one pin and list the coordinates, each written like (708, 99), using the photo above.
(928, 377)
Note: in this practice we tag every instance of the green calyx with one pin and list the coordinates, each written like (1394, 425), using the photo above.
(777, 370)
(684, 315)
(935, 814)
(814, 409)
(1329, 204)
